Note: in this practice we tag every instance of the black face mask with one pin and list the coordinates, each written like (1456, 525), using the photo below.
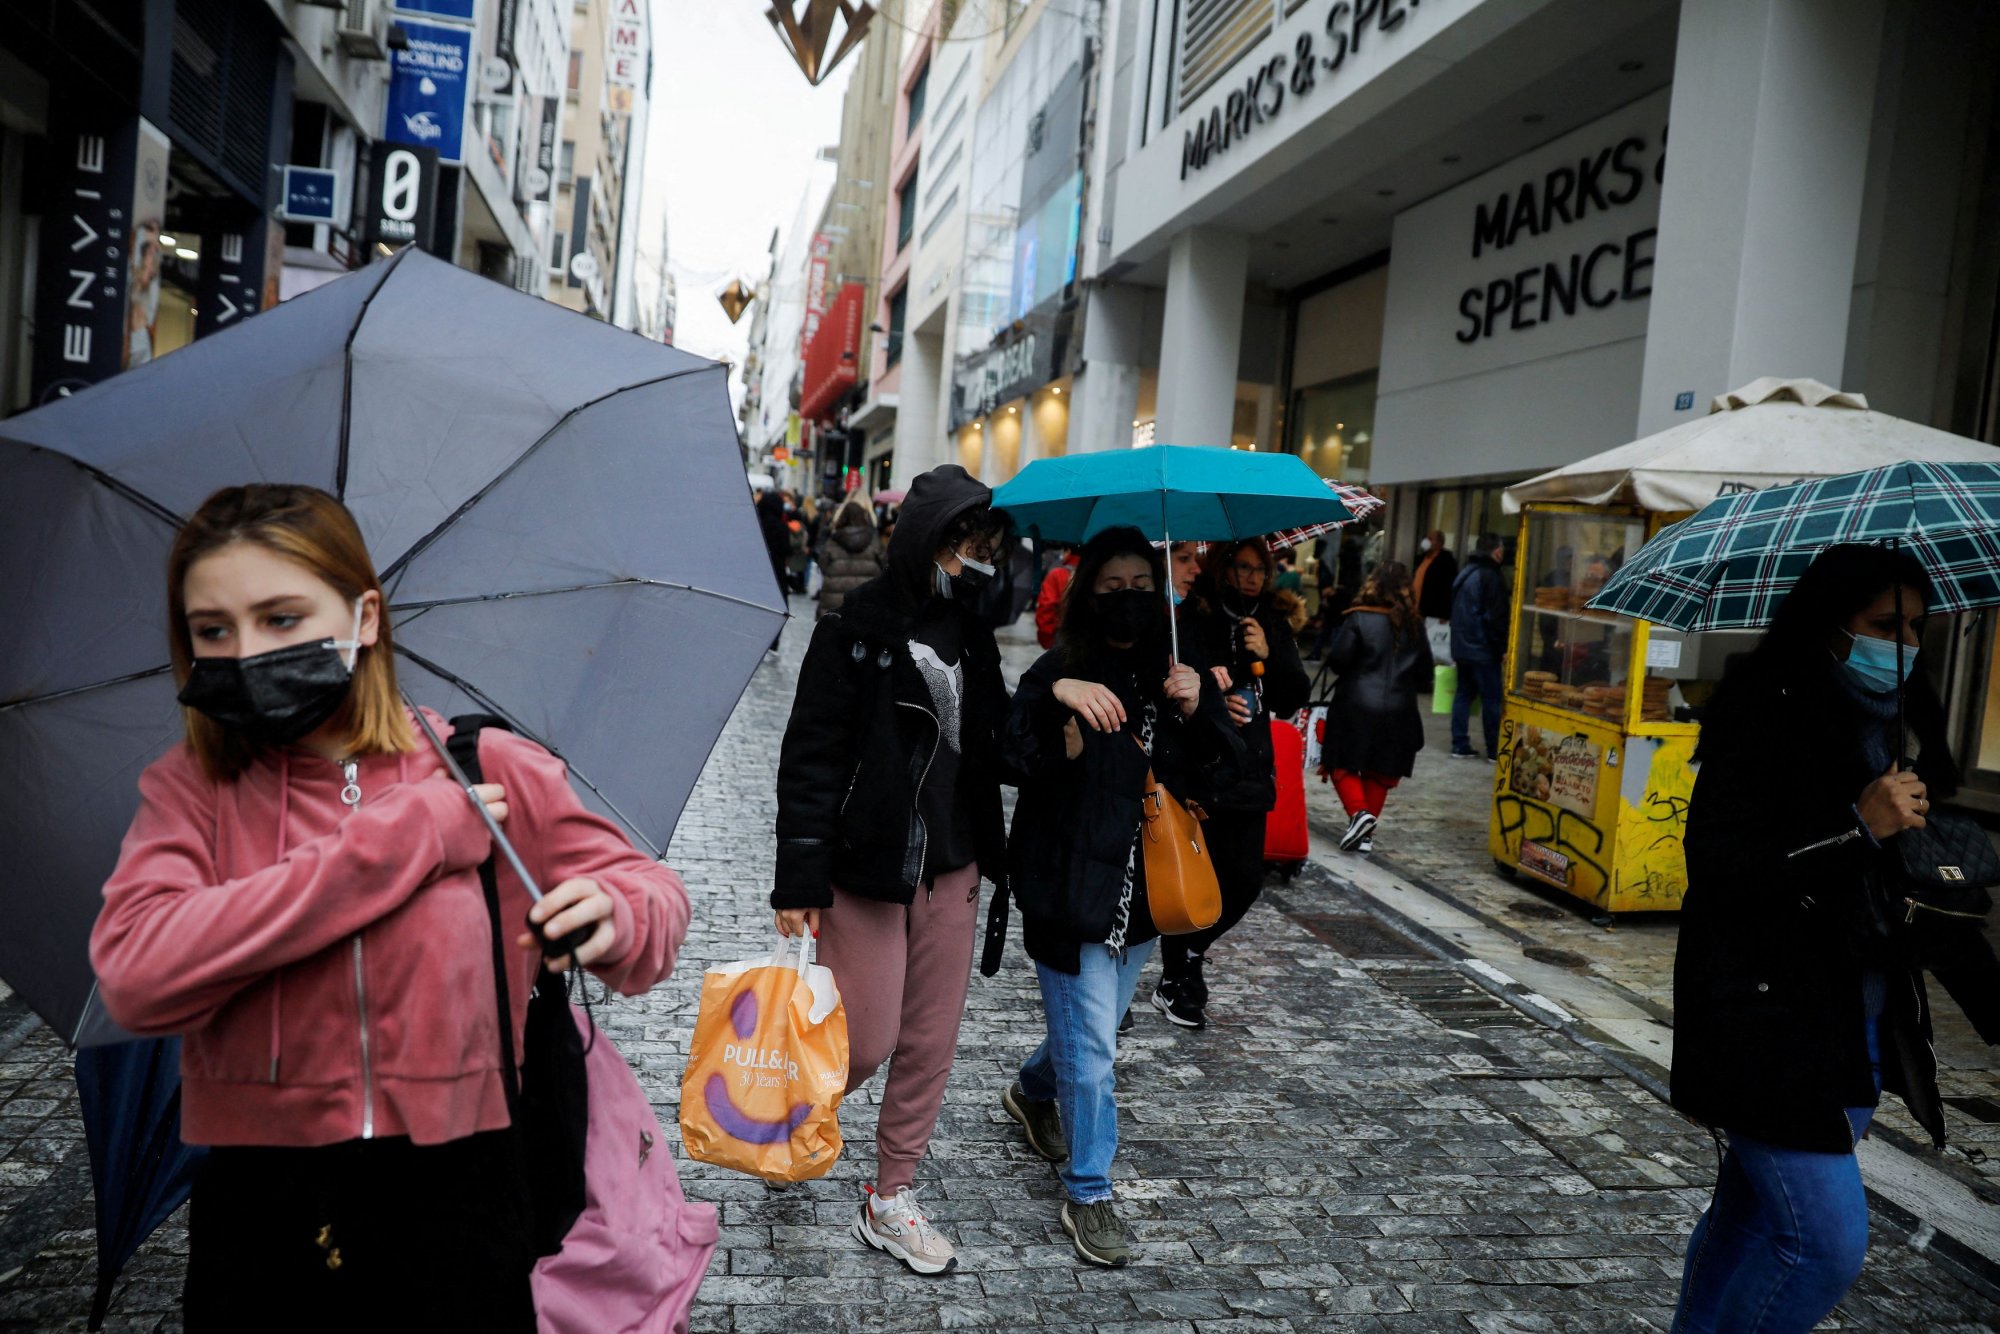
(277, 697)
(1128, 613)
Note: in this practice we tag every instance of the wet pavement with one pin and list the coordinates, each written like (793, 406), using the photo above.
(1365, 1138)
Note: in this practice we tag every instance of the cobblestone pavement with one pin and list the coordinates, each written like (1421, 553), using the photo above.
(1361, 1141)
(1434, 834)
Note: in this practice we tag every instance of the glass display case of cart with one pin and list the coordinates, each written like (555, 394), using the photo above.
(1596, 663)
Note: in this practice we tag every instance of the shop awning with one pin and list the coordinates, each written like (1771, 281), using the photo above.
(1770, 432)
(833, 357)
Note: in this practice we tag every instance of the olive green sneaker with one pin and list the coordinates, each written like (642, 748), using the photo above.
(1098, 1233)
(1041, 1122)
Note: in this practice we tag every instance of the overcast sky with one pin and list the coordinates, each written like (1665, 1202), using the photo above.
(734, 130)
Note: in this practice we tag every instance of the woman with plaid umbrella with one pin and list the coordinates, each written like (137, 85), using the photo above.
(1795, 1004)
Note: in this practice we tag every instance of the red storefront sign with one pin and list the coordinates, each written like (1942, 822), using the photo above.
(833, 356)
(817, 265)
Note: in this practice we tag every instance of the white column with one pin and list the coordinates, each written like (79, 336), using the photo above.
(1206, 271)
(919, 433)
(1107, 392)
(1760, 210)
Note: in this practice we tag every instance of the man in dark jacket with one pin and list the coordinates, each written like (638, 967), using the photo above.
(888, 815)
(1478, 645)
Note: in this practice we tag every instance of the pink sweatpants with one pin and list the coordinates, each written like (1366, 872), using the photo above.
(903, 974)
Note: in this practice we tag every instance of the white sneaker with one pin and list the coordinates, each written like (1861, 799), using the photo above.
(899, 1227)
(1359, 830)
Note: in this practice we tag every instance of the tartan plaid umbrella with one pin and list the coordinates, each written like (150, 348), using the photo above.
(1360, 504)
(1729, 566)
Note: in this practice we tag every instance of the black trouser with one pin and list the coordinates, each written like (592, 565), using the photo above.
(431, 1237)
(1236, 844)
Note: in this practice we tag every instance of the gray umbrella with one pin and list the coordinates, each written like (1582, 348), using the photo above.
(558, 509)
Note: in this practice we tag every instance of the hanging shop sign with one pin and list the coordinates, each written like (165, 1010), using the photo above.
(541, 177)
(458, 11)
(429, 81)
(312, 194)
(1310, 53)
(625, 44)
(401, 198)
(833, 357)
(816, 288)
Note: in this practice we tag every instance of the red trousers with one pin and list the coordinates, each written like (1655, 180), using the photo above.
(1364, 791)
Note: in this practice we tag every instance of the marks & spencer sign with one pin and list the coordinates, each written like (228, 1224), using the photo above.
(1314, 49)
(1550, 254)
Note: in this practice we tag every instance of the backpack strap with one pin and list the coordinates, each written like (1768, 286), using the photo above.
(464, 747)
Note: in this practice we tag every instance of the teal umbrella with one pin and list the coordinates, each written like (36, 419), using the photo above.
(1171, 493)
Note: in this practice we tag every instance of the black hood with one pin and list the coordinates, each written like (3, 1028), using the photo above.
(934, 500)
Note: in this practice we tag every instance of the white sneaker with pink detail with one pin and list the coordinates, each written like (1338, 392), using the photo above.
(899, 1227)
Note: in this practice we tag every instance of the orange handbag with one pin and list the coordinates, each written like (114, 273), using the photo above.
(1181, 889)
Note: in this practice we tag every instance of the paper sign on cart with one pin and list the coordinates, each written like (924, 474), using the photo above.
(1663, 653)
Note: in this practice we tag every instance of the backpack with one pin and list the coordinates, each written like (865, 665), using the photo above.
(621, 1247)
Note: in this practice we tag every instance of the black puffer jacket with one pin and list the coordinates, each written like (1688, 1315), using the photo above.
(1076, 820)
(863, 730)
(1769, 1035)
(1373, 725)
(1208, 635)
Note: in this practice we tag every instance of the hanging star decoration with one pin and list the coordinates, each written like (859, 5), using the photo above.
(807, 38)
(735, 299)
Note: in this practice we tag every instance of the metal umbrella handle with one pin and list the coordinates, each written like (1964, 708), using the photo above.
(553, 949)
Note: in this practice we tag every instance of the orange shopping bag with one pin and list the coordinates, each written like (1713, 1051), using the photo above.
(767, 1068)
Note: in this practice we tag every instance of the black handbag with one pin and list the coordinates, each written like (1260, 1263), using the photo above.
(548, 1094)
(1946, 869)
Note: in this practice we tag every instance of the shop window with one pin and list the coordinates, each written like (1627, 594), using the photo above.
(906, 212)
(899, 307)
(917, 98)
(1333, 427)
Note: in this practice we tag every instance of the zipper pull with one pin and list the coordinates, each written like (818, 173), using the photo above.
(350, 794)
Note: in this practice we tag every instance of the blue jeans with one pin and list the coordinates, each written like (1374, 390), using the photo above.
(1072, 1067)
(1783, 1239)
(1483, 677)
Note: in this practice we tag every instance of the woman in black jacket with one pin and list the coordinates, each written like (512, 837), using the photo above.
(1088, 720)
(1373, 730)
(1232, 626)
(888, 814)
(1797, 994)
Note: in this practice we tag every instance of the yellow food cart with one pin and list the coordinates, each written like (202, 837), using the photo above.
(1597, 739)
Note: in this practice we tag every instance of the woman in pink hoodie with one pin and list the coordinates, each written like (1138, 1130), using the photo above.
(298, 897)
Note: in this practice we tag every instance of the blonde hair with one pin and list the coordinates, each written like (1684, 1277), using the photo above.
(310, 528)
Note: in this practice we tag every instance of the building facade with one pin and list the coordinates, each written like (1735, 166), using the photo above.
(1439, 247)
(171, 167)
(593, 252)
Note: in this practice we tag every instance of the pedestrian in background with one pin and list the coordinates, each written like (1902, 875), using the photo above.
(1436, 573)
(1048, 599)
(1797, 992)
(1373, 728)
(298, 896)
(1088, 720)
(1478, 646)
(1239, 634)
(773, 524)
(888, 811)
(849, 554)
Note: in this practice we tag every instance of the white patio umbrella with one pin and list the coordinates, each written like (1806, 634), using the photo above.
(1770, 432)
